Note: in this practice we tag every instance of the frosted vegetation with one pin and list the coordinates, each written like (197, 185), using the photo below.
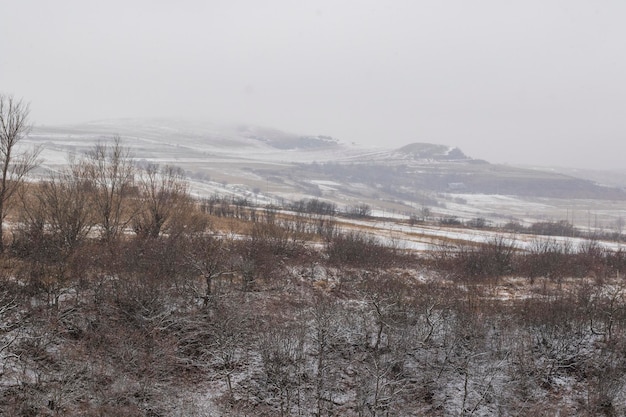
(123, 296)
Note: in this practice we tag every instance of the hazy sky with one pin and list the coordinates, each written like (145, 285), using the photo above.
(532, 81)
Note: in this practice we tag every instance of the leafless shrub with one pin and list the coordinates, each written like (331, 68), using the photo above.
(546, 258)
(359, 210)
(559, 228)
(493, 259)
(110, 172)
(357, 248)
(282, 352)
(163, 196)
(211, 258)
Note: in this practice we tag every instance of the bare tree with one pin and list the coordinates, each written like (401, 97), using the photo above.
(110, 172)
(359, 210)
(14, 164)
(325, 330)
(66, 203)
(55, 218)
(208, 255)
(163, 191)
(283, 355)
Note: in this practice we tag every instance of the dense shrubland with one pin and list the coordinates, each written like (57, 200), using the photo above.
(544, 258)
(120, 295)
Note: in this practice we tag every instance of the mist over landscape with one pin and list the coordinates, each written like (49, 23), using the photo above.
(534, 82)
(274, 167)
(321, 208)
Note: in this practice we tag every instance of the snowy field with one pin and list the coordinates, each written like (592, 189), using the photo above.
(427, 238)
(238, 160)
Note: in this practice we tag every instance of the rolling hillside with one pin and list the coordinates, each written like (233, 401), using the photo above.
(269, 165)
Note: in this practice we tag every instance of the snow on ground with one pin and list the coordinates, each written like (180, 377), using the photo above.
(496, 208)
(425, 238)
(386, 214)
(230, 154)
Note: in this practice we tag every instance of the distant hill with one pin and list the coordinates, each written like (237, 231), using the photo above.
(282, 140)
(431, 151)
(240, 159)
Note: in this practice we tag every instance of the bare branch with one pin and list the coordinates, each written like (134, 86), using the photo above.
(14, 165)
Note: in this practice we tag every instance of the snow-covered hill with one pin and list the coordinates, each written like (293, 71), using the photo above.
(268, 164)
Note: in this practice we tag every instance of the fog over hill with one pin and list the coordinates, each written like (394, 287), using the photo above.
(431, 151)
(271, 165)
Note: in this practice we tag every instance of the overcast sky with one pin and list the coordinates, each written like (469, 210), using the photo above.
(532, 81)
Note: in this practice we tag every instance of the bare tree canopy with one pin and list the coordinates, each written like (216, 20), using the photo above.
(110, 171)
(15, 164)
(164, 192)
